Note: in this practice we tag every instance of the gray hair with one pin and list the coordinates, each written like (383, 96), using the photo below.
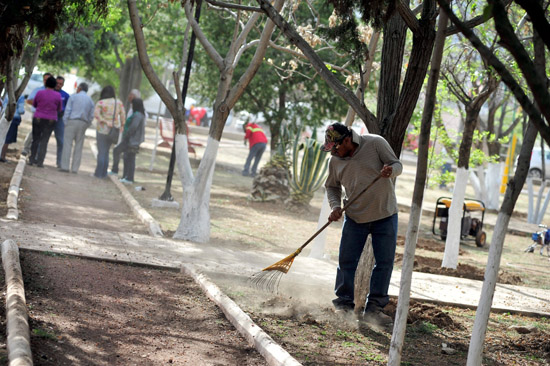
(136, 93)
(83, 86)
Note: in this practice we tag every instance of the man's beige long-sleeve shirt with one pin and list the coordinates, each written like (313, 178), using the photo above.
(358, 171)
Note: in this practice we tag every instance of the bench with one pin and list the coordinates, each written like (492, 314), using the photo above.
(168, 132)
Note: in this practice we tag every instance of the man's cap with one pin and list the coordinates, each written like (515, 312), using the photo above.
(335, 134)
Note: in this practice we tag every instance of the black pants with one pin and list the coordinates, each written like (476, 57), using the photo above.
(118, 149)
(41, 132)
(129, 165)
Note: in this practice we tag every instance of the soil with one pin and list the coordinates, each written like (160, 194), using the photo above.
(85, 312)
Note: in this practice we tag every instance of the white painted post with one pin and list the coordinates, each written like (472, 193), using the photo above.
(318, 247)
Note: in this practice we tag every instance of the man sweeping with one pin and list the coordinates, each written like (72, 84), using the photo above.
(356, 161)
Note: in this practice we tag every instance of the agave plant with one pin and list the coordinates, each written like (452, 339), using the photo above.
(309, 169)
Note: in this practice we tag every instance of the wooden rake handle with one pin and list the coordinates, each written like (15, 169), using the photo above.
(343, 209)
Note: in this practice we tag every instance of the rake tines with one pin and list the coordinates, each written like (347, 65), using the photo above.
(268, 279)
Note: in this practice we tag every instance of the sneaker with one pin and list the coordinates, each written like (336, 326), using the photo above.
(245, 174)
(376, 318)
(125, 181)
(63, 170)
(112, 173)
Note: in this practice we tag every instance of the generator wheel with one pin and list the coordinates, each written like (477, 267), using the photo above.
(481, 239)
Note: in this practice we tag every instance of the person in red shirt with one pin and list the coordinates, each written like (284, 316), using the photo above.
(257, 142)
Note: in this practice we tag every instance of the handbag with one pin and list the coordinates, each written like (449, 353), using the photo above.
(114, 132)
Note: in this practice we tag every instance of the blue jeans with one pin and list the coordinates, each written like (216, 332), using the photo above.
(256, 152)
(354, 236)
(103, 146)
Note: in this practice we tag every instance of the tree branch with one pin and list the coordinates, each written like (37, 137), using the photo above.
(233, 6)
(246, 77)
(408, 16)
(472, 23)
(506, 76)
(538, 18)
(295, 39)
(157, 84)
(210, 50)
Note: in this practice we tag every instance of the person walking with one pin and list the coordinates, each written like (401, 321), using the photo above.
(132, 136)
(108, 114)
(47, 103)
(78, 116)
(257, 142)
(11, 135)
(59, 129)
(355, 162)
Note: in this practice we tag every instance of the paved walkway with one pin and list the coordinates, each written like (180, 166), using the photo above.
(309, 278)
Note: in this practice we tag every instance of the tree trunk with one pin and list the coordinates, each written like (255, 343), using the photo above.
(393, 48)
(495, 251)
(318, 245)
(400, 324)
(486, 183)
(401, 109)
(363, 275)
(394, 126)
(130, 78)
(454, 223)
(195, 214)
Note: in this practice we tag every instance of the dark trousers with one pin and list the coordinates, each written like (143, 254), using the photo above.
(354, 236)
(129, 165)
(255, 153)
(41, 132)
(117, 151)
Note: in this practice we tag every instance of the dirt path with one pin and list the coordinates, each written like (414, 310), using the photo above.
(78, 200)
(85, 312)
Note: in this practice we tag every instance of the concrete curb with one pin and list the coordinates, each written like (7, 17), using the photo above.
(274, 354)
(144, 216)
(13, 191)
(19, 339)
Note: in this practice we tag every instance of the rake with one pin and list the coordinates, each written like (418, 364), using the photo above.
(269, 277)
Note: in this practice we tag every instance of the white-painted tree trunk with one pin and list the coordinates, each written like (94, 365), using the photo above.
(530, 213)
(493, 180)
(452, 244)
(541, 213)
(477, 180)
(4, 127)
(318, 246)
(487, 184)
(195, 214)
(475, 350)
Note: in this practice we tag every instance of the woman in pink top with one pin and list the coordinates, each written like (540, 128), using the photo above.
(47, 103)
(108, 113)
